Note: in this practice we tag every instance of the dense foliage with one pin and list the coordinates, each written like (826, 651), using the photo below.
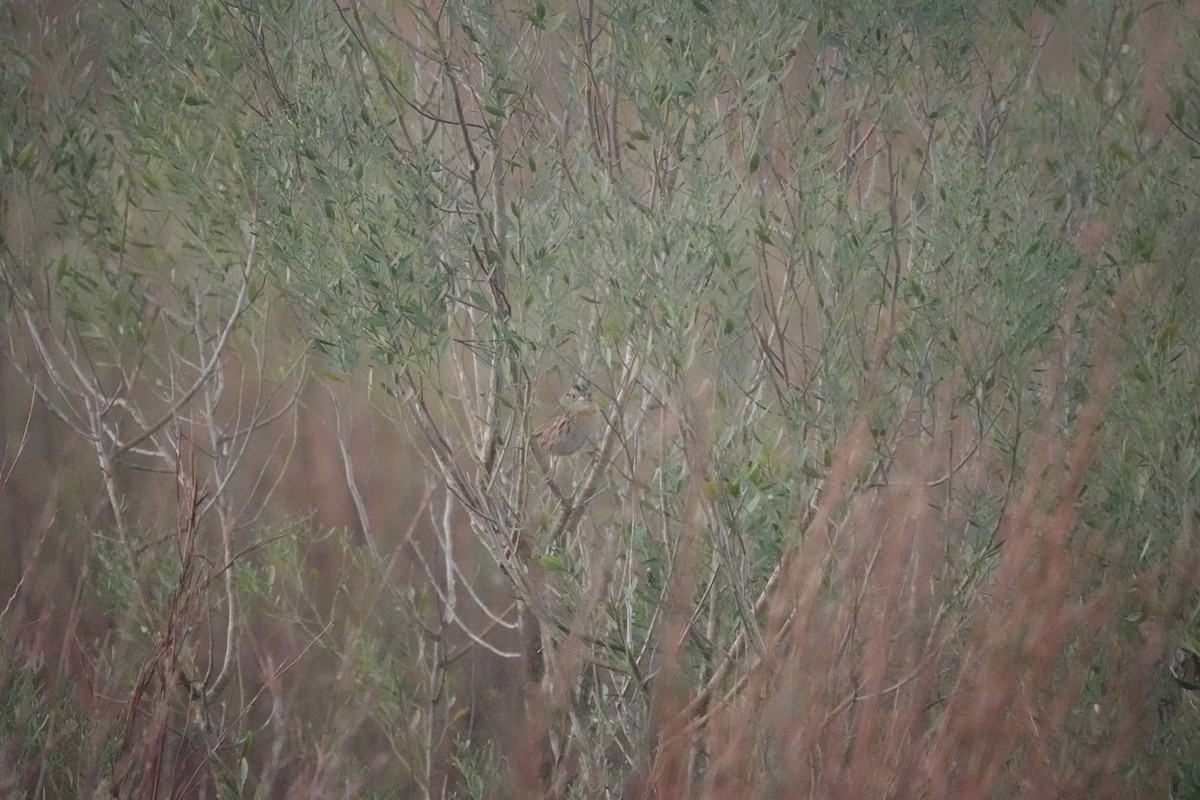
(888, 309)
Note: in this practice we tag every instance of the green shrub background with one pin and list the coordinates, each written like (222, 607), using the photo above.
(891, 310)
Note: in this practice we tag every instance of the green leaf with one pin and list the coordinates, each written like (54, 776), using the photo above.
(941, 111)
(552, 562)
(26, 155)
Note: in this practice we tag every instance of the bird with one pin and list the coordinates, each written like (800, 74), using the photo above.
(570, 430)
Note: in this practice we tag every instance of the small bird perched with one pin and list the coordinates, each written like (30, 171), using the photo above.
(570, 430)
